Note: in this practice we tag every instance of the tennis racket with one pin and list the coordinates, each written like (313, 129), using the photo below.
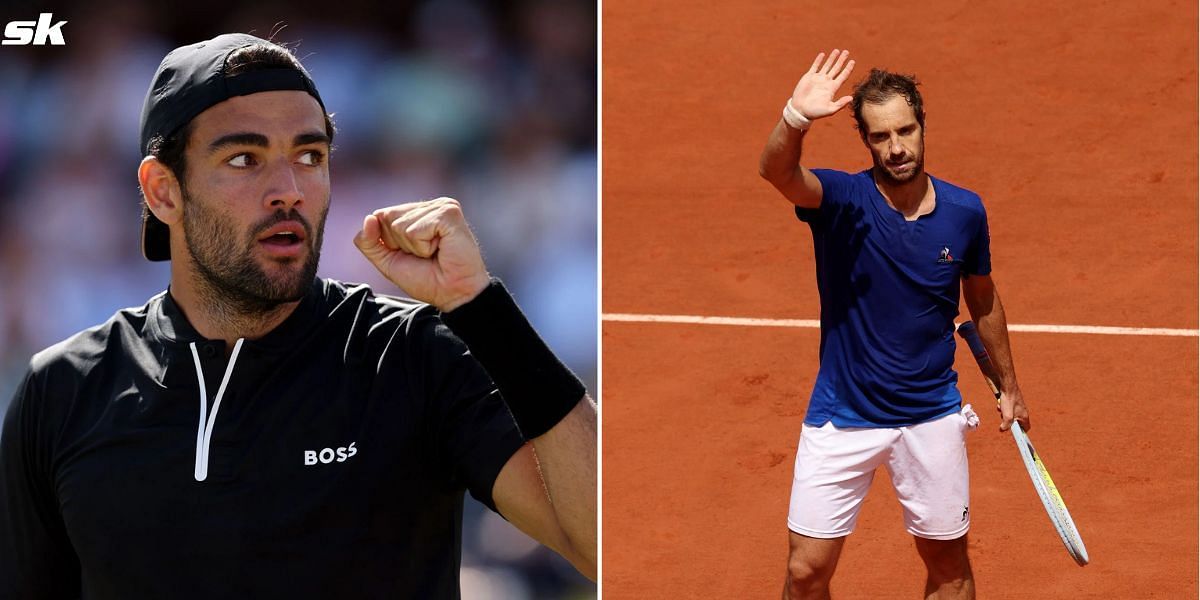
(1046, 490)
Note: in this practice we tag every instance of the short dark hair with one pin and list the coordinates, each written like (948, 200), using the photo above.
(169, 149)
(878, 87)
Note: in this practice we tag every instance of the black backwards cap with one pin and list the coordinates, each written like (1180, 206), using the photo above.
(190, 80)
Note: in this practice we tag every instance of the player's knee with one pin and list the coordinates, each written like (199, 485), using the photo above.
(807, 575)
(946, 560)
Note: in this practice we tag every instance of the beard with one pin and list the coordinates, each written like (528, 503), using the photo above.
(231, 280)
(899, 179)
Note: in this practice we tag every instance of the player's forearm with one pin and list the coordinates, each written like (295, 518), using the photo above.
(551, 409)
(567, 457)
(990, 320)
(780, 160)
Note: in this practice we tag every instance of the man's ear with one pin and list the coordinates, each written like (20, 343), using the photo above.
(160, 190)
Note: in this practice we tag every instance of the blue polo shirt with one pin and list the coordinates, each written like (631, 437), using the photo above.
(889, 295)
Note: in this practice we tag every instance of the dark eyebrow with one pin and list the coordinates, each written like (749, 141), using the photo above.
(260, 140)
(314, 137)
(239, 139)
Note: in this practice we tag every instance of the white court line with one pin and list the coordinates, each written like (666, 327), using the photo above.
(813, 324)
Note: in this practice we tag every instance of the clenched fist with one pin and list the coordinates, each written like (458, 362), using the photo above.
(426, 249)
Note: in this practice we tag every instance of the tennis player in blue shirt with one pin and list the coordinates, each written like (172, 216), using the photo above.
(891, 245)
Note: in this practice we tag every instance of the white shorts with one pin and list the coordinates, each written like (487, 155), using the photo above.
(927, 463)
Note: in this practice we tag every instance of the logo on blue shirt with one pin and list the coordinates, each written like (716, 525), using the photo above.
(945, 257)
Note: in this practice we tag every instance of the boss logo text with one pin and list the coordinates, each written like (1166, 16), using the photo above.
(328, 455)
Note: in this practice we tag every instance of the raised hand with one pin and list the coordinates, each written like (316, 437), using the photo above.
(813, 96)
(426, 249)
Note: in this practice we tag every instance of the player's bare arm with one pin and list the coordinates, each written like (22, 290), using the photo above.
(812, 99)
(983, 302)
(548, 488)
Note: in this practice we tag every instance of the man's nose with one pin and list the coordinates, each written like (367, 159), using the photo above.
(283, 191)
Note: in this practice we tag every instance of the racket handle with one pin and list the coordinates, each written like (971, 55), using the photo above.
(971, 335)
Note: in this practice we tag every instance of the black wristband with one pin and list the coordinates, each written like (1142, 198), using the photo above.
(538, 389)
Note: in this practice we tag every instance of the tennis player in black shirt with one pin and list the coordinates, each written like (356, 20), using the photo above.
(256, 431)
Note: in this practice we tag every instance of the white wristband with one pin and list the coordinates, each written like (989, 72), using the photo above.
(793, 118)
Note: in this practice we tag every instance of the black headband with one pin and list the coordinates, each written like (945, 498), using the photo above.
(192, 78)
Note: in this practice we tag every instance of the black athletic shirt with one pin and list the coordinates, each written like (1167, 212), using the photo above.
(333, 466)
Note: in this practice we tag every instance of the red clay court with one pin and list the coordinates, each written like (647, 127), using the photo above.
(1078, 126)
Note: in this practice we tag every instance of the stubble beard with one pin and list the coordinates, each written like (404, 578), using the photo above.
(230, 282)
(896, 180)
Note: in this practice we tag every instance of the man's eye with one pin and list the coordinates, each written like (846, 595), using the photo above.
(312, 157)
(241, 160)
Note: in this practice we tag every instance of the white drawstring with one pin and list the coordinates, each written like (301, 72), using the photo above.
(204, 431)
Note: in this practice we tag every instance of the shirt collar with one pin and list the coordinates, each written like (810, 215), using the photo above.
(171, 326)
